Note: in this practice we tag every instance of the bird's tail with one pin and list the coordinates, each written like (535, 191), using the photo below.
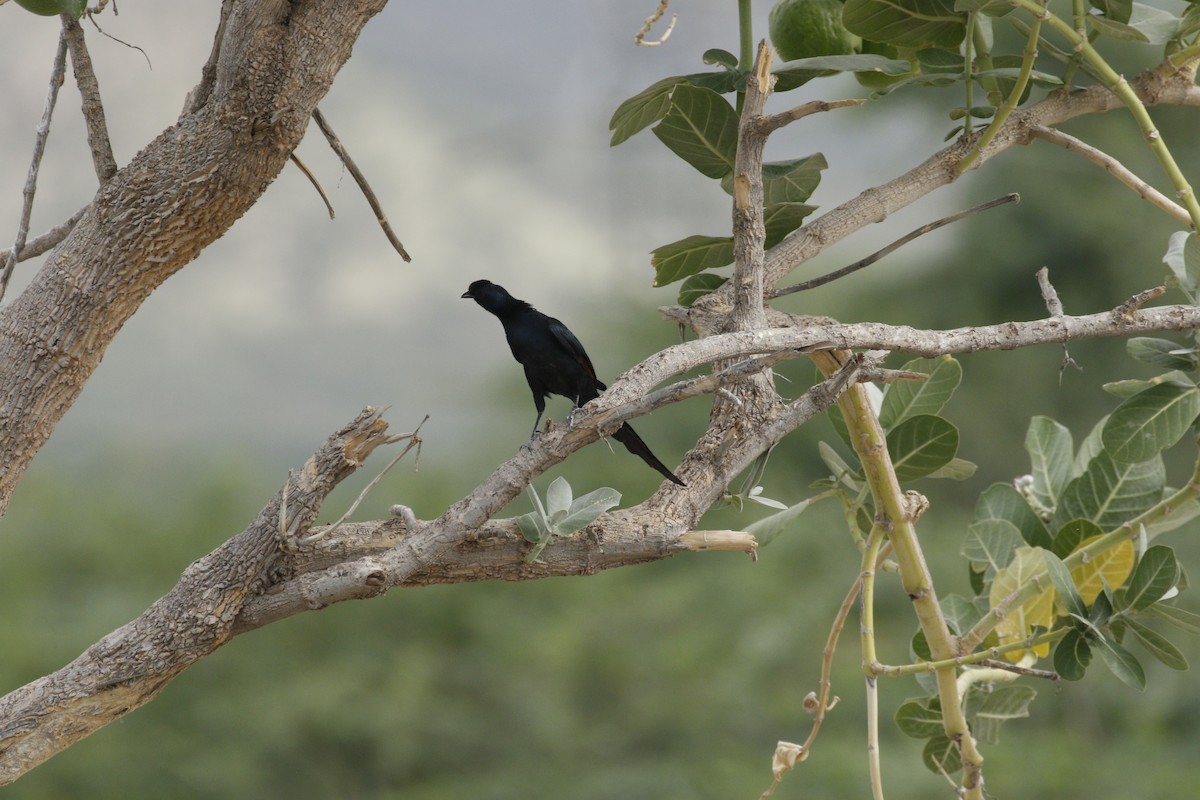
(634, 444)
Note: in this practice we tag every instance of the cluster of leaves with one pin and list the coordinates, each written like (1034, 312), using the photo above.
(562, 515)
(1062, 556)
(905, 43)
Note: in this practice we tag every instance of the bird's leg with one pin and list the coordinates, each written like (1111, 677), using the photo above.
(533, 434)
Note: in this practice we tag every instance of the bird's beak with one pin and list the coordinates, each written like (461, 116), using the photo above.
(467, 294)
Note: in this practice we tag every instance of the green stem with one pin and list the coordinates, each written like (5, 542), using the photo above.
(1125, 93)
(973, 658)
(869, 558)
(1009, 103)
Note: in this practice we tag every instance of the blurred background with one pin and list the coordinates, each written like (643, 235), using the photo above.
(483, 129)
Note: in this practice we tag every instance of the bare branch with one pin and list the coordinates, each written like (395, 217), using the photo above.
(39, 148)
(93, 107)
(128, 667)
(1115, 168)
(894, 246)
(772, 123)
(313, 180)
(640, 38)
(361, 180)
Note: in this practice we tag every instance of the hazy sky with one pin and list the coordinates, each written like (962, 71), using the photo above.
(483, 129)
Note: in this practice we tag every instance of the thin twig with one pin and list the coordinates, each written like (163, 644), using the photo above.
(361, 180)
(89, 92)
(1115, 168)
(39, 148)
(41, 244)
(770, 124)
(640, 38)
(896, 245)
(1055, 307)
(1125, 311)
(414, 440)
(92, 19)
(1029, 672)
(313, 180)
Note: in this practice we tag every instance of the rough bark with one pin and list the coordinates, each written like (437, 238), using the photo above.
(273, 61)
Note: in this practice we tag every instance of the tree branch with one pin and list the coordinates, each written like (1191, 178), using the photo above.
(129, 666)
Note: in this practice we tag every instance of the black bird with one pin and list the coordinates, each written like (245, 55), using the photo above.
(554, 361)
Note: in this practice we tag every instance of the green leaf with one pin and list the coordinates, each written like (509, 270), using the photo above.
(1161, 353)
(862, 62)
(960, 613)
(1117, 10)
(994, 8)
(1089, 448)
(791, 181)
(783, 218)
(941, 755)
(1072, 656)
(652, 103)
(1002, 501)
(1050, 451)
(905, 23)
(1158, 645)
(1110, 493)
(921, 445)
(52, 8)
(1183, 257)
(701, 128)
(1064, 585)
(1150, 421)
(1156, 573)
(767, 529)
(1181, 618)
(1146, 24)
(722, 57)
(1121, 662)
(696, 286)
(558, 499)
(990, 543)
(586, 510)
(677, 260)
(957, 469)
(1000, 705)
(788, 78)
(1129, 388)
(905, 399)
(916, 718)
(1074, 533)
(533, 528)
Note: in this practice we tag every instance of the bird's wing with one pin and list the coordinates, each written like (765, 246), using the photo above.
(573, 346)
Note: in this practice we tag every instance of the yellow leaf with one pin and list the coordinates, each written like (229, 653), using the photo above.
(1036, 611)
(1111, 567)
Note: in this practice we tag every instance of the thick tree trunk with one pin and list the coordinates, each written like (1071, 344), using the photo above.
(272, 63)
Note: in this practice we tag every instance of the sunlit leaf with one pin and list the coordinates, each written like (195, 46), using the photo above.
(558, 498)
(586, 509)
(1112, 567)
(768, 528)
(1036, 611)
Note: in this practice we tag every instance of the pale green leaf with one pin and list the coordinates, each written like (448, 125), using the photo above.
(1121, 662)
(586, 509)
(1158, 645)
(1111, 493)
(905, 23)
(1150, 421)
(997, 707)
(1050, 451)
(1157, 572)
(1002, 501)
(991, 543)
(1183, 257)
